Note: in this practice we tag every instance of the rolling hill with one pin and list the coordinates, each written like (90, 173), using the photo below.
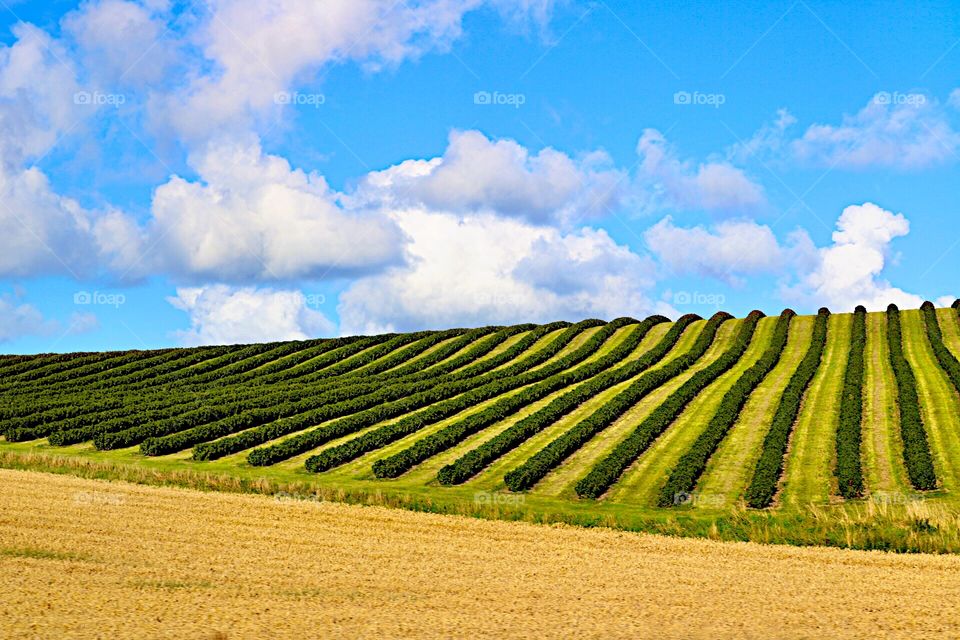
(648, 424)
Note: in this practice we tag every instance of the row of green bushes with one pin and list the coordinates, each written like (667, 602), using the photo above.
(769, 467)
(608, 470)
(537, 466)
(265, 433)
(472, 462)
(916, 449)
(328, 402)
(461, 429)
(688, 470)
(849, 469)
(438, 403)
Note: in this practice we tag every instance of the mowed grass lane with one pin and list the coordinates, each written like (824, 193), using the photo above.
(939, 403)
(360, 468)
(561, 479)
(808, 470)
(426, 472)
(731, 467)
(641, 482)
(491, 478)
(882, 446)
(239, 459)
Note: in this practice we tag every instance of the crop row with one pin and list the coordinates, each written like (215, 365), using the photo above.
(769, 466)
(475, 460)
(439, 402)
(916, 450)
(685, 475)
(849, 469)
(267, 432)
(559, 449)
(461, 429)
(181, 433)
(608, 470)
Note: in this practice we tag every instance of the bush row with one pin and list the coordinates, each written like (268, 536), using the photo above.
(766, 473)
(175, 433)
(608, 470)
(324, 403)
(477, 459)
(260, 435)
(948, 362)
(542, 462)
(458, 431)
(849, 470)
(916, 450)
(685, 475)
(438, 403)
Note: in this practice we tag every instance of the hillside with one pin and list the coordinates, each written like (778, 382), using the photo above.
(624, 423)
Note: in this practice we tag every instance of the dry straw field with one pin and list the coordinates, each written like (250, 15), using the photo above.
(89, 558)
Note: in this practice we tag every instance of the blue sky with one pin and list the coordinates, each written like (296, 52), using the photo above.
(185, 173)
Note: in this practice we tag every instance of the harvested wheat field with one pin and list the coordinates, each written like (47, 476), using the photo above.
(94, 558)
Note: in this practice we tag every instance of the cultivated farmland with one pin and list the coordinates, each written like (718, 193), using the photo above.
(839, 428)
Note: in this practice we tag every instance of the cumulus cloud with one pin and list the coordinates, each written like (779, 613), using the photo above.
(849, 271)
(665, 182)
(727, 250)
(19, 319)
(486, 269)
(903, 131)
(255, 50)
(41, 231)
(123, 43)
(252, 217)
(477, 174)
(220, 314)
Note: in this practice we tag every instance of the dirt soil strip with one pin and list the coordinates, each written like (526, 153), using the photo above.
(88, 558)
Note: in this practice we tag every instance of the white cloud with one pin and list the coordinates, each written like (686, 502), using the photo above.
(725, 251)
(253, 217)
(476, 174)
(20, 319)
(122, 43)
(901, 131)
(664, 182)
(254, 50)
(486, 269)
(224, 315)
(850, 270)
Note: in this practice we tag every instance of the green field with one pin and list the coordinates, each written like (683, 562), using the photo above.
(437, 420)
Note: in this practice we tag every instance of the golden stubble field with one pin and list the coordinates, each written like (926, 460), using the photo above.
(87, 558)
